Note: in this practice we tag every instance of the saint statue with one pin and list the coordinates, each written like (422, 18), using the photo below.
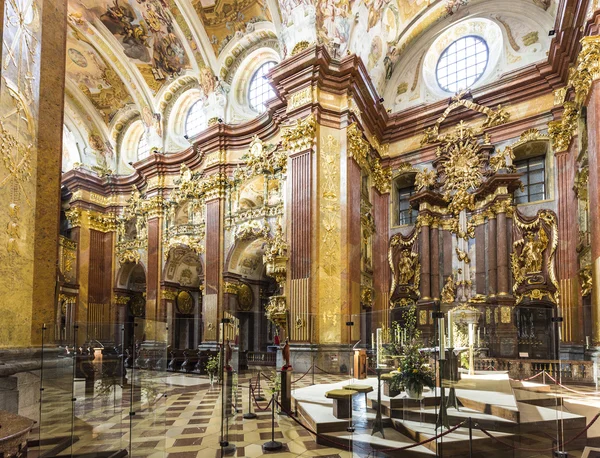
(406, 267)
(532, 254)
(285, 353)
(449, 291)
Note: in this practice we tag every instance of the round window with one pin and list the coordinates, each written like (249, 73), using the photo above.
(259, 90)
(462, 63)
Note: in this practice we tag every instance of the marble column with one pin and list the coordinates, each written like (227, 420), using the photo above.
(425, 263)
(300, 228)
(153, 278)
(567, 246)
(33, 54)
(213, 298)
(593, 113)
(502, 253)
(381, 266)
(492, 256)
(435, 260)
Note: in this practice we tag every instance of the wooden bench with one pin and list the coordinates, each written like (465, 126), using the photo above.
(342, 403)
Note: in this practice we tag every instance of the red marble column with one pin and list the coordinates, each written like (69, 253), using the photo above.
(502, 254)
(425, 263)
(214, 265)
(492, 257)
(381, 266)
(567, 246)
(435, 261)
(480, 255)
(351, 243)
(300, 228)
(593, 118)
(152, 273)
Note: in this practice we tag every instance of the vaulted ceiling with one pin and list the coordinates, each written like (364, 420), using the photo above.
(127, 59)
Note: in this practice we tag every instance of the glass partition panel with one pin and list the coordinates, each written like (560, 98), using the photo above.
(99, 423)
(150, 411)
(57, 361)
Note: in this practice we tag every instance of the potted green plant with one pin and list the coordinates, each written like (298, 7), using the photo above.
(212, 367)
(415, 372)
(395, 386)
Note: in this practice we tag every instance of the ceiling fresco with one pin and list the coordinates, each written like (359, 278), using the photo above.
(94, 77)
(145, 30)
(125, 56)
(224, 20)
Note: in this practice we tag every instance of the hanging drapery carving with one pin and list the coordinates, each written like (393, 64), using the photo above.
(406, 269)
(533, 257)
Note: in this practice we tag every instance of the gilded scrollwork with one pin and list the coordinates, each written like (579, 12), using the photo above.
(494, 117)
(264, 159)
(585, 280)
(503, 161)
(533, 257)
(301, 136)
(425, 179)
(403, 259)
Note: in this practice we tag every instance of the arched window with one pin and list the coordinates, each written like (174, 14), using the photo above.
(462, 63)
(404, 187)
(195, 120)
(143, 149)
(533, 170)
(260, 90)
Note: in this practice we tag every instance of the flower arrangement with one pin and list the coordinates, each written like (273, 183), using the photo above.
(415, 372)
(212, 366)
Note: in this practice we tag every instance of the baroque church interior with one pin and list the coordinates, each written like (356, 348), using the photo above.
(336, 228)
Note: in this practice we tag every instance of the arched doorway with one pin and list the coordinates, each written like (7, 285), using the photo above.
(253, 288)
(131, 284)
(182, 278)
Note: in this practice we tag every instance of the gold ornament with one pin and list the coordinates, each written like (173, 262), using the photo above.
(425, 179)
(449, 291)
(185, 303)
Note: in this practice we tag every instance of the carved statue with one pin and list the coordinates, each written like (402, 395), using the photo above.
(532, 255)
(285, 353)
(406, 267)
(449, 291)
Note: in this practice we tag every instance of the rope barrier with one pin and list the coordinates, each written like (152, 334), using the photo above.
(329, 373)
(571, 389)
(259, 408)
(267, 377)
(554, 447)
(302, 376)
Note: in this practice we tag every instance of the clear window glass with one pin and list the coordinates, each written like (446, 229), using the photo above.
(462, 63)
(260, 90)
(195, 120)
(533, 179)
(143, 147)
(406, 214)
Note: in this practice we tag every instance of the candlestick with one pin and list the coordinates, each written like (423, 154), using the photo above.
(450, 330)
(442, 338)
(479, 338)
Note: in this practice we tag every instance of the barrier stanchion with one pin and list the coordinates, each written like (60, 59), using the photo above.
(470, 437)
(259, 397)
(272, 445)
(249, 415)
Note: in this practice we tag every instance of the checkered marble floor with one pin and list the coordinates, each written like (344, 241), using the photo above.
(177, 416)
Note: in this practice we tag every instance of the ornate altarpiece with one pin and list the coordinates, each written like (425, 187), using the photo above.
(470, 246)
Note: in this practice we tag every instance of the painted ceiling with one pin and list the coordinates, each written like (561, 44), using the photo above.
(124, 55)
